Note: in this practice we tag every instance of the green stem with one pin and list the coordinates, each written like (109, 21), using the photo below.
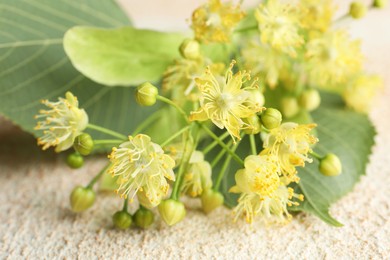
(170, 139)
(265, 129)
(97, 177)
(316, 155)
(106, 131)
(219, 156)
(170, 102)
(223, 169)
(253, 144)
(213, 144)
(107, 141)
(246, 29)
(147, 122)
(125, 203)
(222, 144)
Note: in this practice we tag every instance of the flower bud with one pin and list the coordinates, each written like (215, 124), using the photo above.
(82, 198)
(256, 97)
(211, 200)
(271, 118)
(172, 211)
(143, 218)
(254, 125)
(122, 219)
(330, 165)
(146, 94)
(310, 99)
(190, 49)
(357, 10)
(75, 160)
(380, 3)
(83, 144)
(289, 106)
(146, 202)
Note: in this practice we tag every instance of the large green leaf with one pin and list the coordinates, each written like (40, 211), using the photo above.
(347, 134)
(121, 57)
(33, 64)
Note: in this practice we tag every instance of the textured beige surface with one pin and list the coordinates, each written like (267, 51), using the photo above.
(35, 220)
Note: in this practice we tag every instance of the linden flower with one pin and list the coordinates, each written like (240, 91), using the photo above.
(262, 192)
(316, 15)
(290, 143)
(278, 24)
(141, 166)
(360, 92)
(263, 59)
(332, 59)
(214, 21)
(62, 123)
(198, 177)
(226, 102)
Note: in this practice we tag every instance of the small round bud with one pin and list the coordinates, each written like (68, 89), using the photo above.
(122, 219)
(254, 125)
(380, 3)
(146, 94)
(190, 49)
(211, 200)
(357, 10)
(143, 218)
(310, 99)
(75, 160)
(289, 106)
(82, 198)
(83, 144)
(330, 165)
(271, 118)
(172, 211)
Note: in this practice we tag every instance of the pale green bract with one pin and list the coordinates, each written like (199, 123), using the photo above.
(121, 57)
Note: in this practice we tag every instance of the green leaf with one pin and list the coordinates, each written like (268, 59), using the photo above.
(33, 64)
(121, 57)
(349, 135)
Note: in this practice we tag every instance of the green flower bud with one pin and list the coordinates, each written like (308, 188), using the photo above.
(190, 49)
(357, 10)
(143, 218)
(172, 211)
(75, 160)
(122, 219)
(146, 94)
(211, 200)
(83, 144)
(380, 3)
(289, 106)
(330, 165)
(254, 125)
(310, 99)
(82, 198)
(271, 118)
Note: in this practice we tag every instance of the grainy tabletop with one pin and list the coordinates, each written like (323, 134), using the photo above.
(36, 222)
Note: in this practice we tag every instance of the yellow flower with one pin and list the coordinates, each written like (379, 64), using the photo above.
(264, 60)
(316, 15)
(290, 143)
(226, 101)
(279, 26)
(263, 193)
(141, 166)
(361, 91)
(215, 21)
(198, 177)
(62, 123)
(332, 59)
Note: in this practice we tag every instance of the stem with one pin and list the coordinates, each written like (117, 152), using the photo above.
(107, 141)
(250, 28)
(106, 131)
(170, 139)
(97, 177)
(253, 144)
(222, 144)
(265, 129)
(223, 169)
(219, 156)
(213, 144)
(316, 155)
(125, 203)
(170, 102)
(147, 122)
